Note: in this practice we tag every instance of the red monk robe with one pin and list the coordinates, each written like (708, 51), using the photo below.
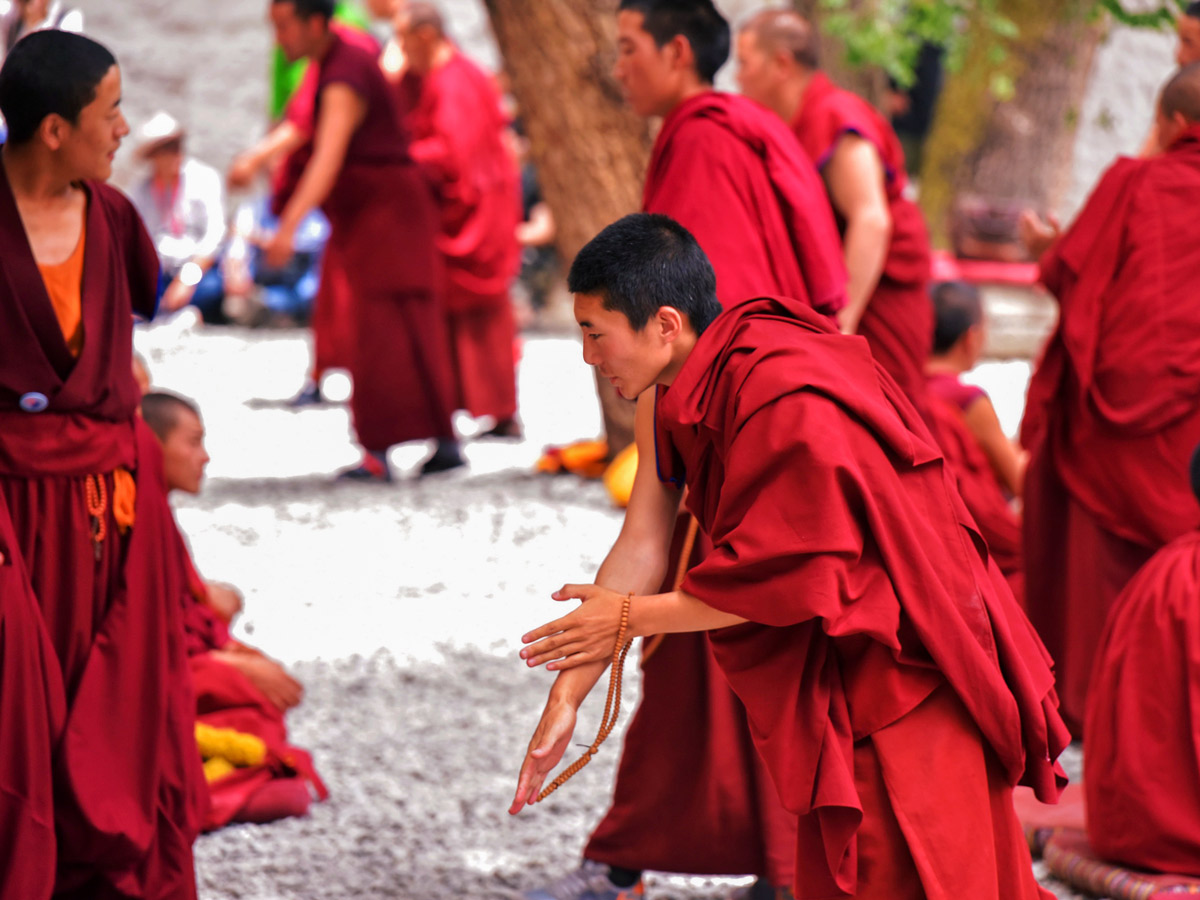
(691, 794)
(226, 698)
(1111, 416)
(457, 126)
(382, 222)
(894, 688)
(947, 402)
(125, 768)
(33, 709)
(1142, 769)
(332, 317)
(898, 321)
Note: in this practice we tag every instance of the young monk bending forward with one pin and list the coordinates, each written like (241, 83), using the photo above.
(894, 689)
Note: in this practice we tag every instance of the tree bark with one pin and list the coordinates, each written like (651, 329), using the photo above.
(1014, 153)
(589, 147)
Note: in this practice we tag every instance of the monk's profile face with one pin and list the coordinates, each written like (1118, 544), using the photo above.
(757, 72)
(88, 146)
(1187, 51)
(419, 44)
(631, 360)
(649, 75)
(184, 456)
(296, 37)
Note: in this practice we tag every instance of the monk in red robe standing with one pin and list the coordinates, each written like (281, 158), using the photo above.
(988, 469)
(237, 687)
(1140, 772)
(82, 480)
(691, 793)
(894, 689)
(883, 233)
(1111, 416)
(457, 126)
(382, 225)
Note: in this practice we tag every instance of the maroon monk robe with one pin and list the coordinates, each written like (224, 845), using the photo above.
(332, 320)
(1142, 768)
(694, 796)
(898, 321)
(33, 709)
(457, 126)
(123, 795)
(1112, 417)
(226, 698)
(879, 633)
(382, 223)
(947, 401)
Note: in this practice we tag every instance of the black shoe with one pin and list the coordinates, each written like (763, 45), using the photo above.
(371, 469)
(504, 430)
(310, 395)
(443, 461)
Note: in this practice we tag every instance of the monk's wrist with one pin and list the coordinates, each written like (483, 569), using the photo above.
(573, 685)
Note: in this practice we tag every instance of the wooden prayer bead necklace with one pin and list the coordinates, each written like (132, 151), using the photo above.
(612, 704)
(97, 505)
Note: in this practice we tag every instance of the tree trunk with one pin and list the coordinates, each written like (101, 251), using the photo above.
(1015, 153)
(589, 147)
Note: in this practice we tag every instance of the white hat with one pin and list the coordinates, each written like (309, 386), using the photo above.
(160, 129)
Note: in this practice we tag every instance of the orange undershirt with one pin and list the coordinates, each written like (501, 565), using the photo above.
(64, 285)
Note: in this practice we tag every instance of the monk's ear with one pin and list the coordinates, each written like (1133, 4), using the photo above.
(671, 323)
(53, 131)
(681, 48)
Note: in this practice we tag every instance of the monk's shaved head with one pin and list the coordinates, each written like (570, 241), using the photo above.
(1182, 94)
(49, 73)
(163, 412)
(785, 31)
(425, 15)
(957, 309)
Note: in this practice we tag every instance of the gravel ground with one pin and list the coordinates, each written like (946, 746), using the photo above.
(400, 607)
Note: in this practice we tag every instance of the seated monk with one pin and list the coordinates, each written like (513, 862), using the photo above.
(236, 686)
(1141, 772)
(989, 469)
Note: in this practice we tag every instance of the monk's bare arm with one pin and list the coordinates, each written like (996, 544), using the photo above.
(280, 140)
(1008, 462)
(854, 177)
(637, 562)
(342, 111)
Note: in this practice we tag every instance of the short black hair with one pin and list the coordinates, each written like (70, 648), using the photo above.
(306, 9)
(161, 411)
(645, 261)
(957, 309)
(1192, 9)
(49, 73)
(1182, 94)
(697, 20)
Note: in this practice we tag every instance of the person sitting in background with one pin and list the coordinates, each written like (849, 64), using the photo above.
(236, 686)
(989, 469)
(1140, 772)
(182, 203)
(20, 17)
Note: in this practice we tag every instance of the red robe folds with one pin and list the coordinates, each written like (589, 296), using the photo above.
(692, 794)
(879, 632)
(381, 219)
(124, 764)
(457, 127)
(1142, 766)
(1112, 418)
(225, 698)
(332, 316)
(898, 321)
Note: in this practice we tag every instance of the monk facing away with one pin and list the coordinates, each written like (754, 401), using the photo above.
(1111, 416)
(82, 480)
(1141, 771)
(457, 126)
(894, 689)
(862, 164)
(691, 793)
(987, 467)
(236, 686)
(382, 229)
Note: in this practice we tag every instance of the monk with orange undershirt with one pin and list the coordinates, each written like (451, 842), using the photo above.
(81, 477)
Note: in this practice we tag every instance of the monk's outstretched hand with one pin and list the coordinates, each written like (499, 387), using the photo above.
(546, 750)
(584, 636)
